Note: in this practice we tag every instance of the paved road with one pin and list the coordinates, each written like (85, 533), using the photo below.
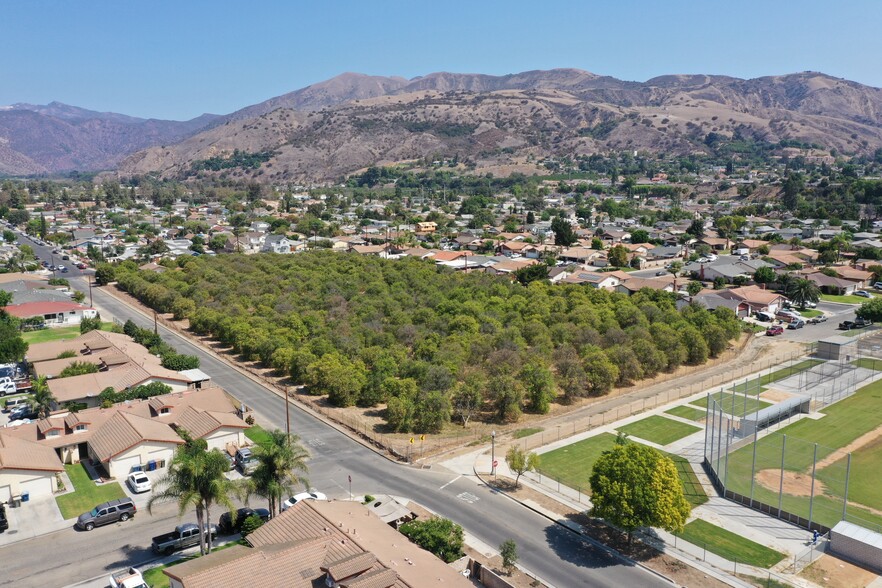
(553, 553)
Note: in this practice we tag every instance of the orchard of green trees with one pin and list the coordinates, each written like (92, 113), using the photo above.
(430, 344)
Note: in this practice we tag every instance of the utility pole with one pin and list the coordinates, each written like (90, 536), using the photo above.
(493, 453)
(90, 292)
(155, 324)
(287, 417)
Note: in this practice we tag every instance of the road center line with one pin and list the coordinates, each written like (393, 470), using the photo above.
(450, 482)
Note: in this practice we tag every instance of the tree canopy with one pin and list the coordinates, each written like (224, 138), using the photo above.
(425, 341)
(634, 485)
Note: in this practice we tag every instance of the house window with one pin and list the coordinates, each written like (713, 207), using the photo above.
(164, 410)
(52, 433)
(79, 428)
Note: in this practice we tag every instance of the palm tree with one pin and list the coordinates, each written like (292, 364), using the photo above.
(43, 399)
(195, 478)
(801, 291)
(281, 466)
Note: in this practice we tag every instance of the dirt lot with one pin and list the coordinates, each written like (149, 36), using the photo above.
(830, 572)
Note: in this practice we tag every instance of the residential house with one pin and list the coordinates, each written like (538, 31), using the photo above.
(634, 285)
(277, 244)
(26, 467)
(54, 313)
(830, 285)
(755, 299)
(320, 543)
(601, 281)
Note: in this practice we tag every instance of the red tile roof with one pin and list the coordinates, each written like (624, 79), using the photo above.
(29, 309)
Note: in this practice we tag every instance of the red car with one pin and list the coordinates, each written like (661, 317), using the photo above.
(774, 330)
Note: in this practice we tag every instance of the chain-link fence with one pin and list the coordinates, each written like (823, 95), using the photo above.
(768, 456)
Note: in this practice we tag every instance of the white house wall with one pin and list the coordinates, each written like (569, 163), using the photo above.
(38, 483)
(121, 465)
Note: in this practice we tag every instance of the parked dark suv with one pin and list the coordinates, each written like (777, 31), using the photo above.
(121, 509)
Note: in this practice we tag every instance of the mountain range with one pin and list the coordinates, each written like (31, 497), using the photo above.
(489, 123)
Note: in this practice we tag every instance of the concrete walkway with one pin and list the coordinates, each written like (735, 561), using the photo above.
(36, 517)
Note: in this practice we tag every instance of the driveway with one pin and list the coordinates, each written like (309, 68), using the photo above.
(33, 518)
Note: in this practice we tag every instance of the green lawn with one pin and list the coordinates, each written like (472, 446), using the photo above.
(810, 312)
(86, 495)
(751, 386)
(659, 430)
(849, 299)
(688, 412)
(734, 404)
(257, 435)
(844, 422)
(868, 363)
(56, 334)
(572, 465)
(728, 545)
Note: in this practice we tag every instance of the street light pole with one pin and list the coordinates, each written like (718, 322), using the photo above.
(90, 292)
(493, 453)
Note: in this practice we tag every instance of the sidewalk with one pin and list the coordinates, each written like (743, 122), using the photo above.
(32, 519)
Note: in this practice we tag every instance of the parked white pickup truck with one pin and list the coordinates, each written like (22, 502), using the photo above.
(131, 578)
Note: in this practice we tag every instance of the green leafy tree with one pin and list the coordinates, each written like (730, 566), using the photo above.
(195, 479)
(521, 462)
(341, 379)
(564, 234)
(765, 275)
(696, 229)
(90, 324)
(597, 243)
(639, 236)
(801, 291)
(601, 374)
(871, 310)
(539, 386)
(42, 399)
(250, 525)
(281, 466)
(440, 536)
(78, 368)
(618, 256)
(104, 274)
(509, 553)
(634, 485)
(694, 287)
(5, 298)
(532, 273)
(431, 412)
(507, 394)
(467, 399)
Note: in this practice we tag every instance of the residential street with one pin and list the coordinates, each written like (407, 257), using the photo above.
(548, 550)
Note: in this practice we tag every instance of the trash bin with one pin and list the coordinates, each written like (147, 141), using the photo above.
(25, 496)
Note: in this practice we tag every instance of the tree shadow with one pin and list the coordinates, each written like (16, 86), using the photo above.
(135, 555)
(613, 538)
(577, 550)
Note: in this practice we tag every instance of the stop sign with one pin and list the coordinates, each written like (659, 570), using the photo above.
(495, 462)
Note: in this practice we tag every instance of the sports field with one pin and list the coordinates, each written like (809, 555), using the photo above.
(734, 404)
(572, 466)
(688, 412)
(658, 429)
(753, 386)
(851, 425)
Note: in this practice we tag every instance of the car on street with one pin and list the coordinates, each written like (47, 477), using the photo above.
(311, 495)
(22, 412)
(798, 324)
(119, 510)
(139, 482)
(184, 536)
(80, 265)
(226, 526)
(774, 330)
(863, 294)
(857, 323)
(661, 273)
(711, 257)
(878, 285)
(764, 317)
(63, 269)
(815, 320)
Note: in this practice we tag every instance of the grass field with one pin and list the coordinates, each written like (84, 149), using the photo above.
(688, 412)
(56, 334)
(844, 422)
(810, 313)
(659, 430)
(751, 386)
(86, 495)
(868, 363)
(572, 465)
(257, 435)
(729, 545)
(734, 404)
(848, 299)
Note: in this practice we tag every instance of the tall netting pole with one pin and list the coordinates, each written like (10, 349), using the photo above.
(812, 492)
(845, 495)
(781, 481)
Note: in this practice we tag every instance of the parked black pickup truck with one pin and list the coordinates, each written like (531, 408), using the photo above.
(186, 535)
(4, 522)
(857, 323)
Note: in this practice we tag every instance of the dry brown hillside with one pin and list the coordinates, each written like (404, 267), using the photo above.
(577, 113)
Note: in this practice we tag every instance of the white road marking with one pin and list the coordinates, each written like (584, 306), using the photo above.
(450, 482)
(468, 497)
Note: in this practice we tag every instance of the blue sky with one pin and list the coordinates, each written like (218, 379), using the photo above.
(155, 58)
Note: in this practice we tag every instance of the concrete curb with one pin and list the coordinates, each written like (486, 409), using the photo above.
(570, 527)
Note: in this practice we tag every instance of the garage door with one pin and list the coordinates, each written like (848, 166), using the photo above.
(37, 487)
(121, 467)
